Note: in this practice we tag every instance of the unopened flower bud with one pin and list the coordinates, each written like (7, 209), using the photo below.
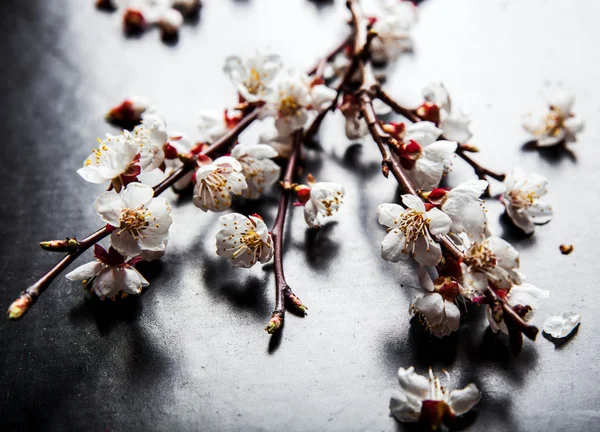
(303, 193)
(293, 300)
(169, 23)
(67, 245)
(429, 112)
(18, 308)
(275, 323)
(129, 112)
(105, 4)
(188, 8)
(134, 21)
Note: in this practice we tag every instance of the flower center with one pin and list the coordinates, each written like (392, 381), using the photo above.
(288, 106)
(413, 224)
(521, 199)
(134, 221)
(253, 244)
(254, 83)
(481, 257)
(553, 122)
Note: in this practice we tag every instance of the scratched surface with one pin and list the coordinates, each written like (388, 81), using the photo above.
(191, 352)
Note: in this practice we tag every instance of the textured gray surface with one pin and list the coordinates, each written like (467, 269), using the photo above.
(191, 352)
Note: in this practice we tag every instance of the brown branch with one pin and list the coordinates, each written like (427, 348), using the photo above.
(371, 88)
(412, 115)
(28, 297)
(282, 289)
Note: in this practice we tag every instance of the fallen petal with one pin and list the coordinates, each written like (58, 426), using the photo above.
(560, 326)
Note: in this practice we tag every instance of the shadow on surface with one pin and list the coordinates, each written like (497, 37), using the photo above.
(553, 154)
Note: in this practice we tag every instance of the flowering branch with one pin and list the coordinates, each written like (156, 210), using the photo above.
(28, 297)
(283, 291)
(461, 150)
(370, 88)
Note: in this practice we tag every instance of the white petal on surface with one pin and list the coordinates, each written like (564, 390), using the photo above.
(461, 401)
(85, 271)
(560, 326)
(311, 214)
(109, 206)
(387, 214)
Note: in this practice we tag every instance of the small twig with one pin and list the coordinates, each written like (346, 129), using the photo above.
(330, 56)
(282, 289)
(412, 115)
(28, 297)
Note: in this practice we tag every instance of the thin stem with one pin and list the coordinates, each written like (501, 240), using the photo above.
(28, 297)
(282, 289)
(367, 90)
(410, 114)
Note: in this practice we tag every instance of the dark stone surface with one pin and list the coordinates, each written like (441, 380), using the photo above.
(191, 352)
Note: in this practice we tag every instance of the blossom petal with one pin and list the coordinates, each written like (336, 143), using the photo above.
(109, 206)
(124, 243)
(393, 246)
(574, 124)
(405, 409)
(439, 222)
(463, 400)
(85, 271)
(136, 195)
(413, 202)
(425, 280)
(431, 306)
(527, 295)
(412, 383)
(387, 214)
(560, 326)
(427, 254)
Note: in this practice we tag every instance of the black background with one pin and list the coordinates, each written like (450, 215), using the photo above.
(191, 352)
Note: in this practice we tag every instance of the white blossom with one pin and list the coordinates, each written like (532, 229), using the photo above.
(425, 400)
(525, 296)
(252, 79)
(422, 158)
(393, 36)
(244, 241)
(524, 200)
(453, 121)
(559, 124)
(325, 199)
(436, 304)
(116, 157)
(463, 205)
(258, 168)
(110, 275)
(294, 101)
(410, 230)
(493, 261)
(141, 221)
(216, 182)
(560, 326)
(151, 137)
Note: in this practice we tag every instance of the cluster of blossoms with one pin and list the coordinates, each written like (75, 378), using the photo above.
(139, 15)
(139, 222)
